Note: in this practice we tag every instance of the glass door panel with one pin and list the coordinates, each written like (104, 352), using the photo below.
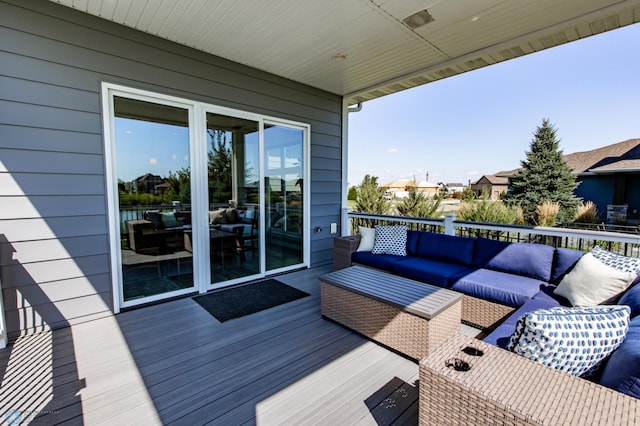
(284, 182)
(233, 164)
(154, 198)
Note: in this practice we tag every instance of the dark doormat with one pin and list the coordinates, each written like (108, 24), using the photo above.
(248, 299)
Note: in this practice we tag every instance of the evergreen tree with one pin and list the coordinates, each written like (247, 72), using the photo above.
(545, 176)
(219, 166)
(370, 197)
(352, 194)
(417, 204)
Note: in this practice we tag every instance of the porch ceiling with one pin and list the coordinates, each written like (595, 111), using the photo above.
(298, 39)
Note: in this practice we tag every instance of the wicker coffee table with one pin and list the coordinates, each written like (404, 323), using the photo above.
(410, 317)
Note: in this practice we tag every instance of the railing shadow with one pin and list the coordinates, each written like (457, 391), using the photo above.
(34, 367)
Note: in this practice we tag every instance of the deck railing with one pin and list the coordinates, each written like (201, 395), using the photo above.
(627, 244)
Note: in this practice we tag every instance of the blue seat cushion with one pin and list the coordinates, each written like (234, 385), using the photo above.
(631, 298)
(547, 293)
(500, 336)
(446, 247)
(412, 241)
(379, 261)
(498, 287)
(486, 250)
(430, 271)
(622, 370)
(529, 260)
(565, 259)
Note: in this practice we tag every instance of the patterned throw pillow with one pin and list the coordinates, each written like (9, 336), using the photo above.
(391, 240)
(574, 340)
(616, 261)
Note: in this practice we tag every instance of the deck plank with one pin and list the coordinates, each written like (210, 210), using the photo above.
(174, 363)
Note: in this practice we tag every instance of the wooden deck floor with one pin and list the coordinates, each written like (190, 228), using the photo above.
(174, 363)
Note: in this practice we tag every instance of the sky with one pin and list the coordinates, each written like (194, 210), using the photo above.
(482, 122)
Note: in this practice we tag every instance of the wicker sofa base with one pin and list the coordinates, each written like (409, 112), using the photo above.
(402, 331)
(501, 387)
(483, 313)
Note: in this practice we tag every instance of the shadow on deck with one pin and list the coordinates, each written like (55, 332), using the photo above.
(173, 363)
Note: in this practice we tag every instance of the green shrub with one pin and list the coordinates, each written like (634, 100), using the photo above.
(417, 204)
(490, 211)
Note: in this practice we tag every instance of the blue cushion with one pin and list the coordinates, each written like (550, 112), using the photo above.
(529, 260)
(155, 218)
(379, 261)
(429, 271)
(487, 249)
(547, 293)
(446, 247)
(500, 336)
(622, 371)
(169, 219)
(631, 298)
(412, 241)
(498, 287)
(565, 259)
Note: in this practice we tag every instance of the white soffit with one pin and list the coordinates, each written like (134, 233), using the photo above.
(298, 39)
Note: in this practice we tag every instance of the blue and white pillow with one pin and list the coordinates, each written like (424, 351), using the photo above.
(391, 240)
(616, 261)
(573, 340)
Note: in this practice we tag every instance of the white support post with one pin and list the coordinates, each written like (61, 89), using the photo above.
(345, 223)
(449, 228)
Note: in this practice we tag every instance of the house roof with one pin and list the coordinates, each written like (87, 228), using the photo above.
(365, 49)
(403, 183)
(616, 158)
(619, 157)
(493, 180)
(398, 183)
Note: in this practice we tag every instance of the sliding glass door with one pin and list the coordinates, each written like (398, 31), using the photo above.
(233, 189)
(284, 165)
(200, 196)
(154, 198)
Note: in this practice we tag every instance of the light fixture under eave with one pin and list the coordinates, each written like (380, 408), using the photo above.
(338, 57)
(418, 19)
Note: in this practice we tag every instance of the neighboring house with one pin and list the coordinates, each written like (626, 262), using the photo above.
(148, 183)
(454, 188)
(399, 188)
(96, 93)
(610, 177)
(494, 185)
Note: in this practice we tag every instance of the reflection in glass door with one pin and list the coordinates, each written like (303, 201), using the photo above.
(233, 164)
(154, 198)
(284, 158)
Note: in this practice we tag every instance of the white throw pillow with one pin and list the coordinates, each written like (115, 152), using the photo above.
(591, 282)
(391, 240)
(217, 216)
(367, 238)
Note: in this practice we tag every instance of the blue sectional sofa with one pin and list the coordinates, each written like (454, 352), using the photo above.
(502, 282)
(496, 275)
